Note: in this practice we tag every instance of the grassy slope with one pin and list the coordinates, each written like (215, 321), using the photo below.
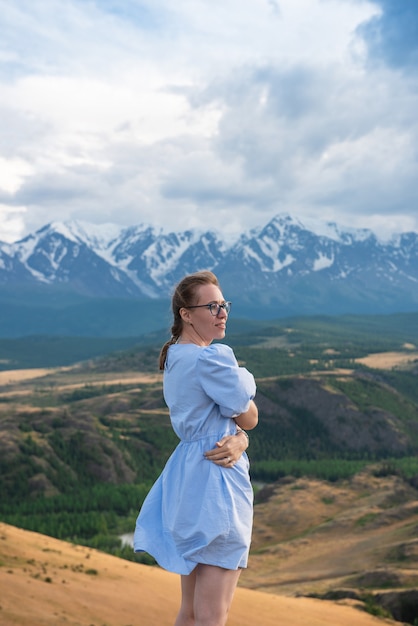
(64, 583)
(312, 536)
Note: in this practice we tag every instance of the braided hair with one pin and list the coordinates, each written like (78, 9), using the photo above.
(184, 295)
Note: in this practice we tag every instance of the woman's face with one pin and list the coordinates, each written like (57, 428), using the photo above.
(207, 326)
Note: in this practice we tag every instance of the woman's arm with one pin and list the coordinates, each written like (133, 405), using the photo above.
(230, 448)
(249, 419)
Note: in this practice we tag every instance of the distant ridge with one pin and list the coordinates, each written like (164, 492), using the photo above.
(283, 268)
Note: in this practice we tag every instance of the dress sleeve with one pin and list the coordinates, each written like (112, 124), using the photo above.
(230, 386)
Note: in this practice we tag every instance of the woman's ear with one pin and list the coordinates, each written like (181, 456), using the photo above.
(185, 315)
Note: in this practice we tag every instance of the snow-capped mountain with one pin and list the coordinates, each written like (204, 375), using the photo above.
(282, 268)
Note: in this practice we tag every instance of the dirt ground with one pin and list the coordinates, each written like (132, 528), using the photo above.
(46, 582)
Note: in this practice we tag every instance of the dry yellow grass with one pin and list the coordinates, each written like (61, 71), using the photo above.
(312, 536)
(46, 582)
(9, 377)
(388, 360)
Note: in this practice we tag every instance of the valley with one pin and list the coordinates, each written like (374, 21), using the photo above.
(334, 466)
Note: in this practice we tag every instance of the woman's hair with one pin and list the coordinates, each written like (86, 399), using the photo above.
(185, 295)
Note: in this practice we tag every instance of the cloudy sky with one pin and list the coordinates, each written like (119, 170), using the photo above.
(208, 113)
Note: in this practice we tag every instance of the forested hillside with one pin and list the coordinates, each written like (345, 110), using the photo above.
(80, 446)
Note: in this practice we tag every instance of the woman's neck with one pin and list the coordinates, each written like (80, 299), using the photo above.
(192, 336)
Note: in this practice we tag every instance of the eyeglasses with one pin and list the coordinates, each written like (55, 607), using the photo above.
(213, 307)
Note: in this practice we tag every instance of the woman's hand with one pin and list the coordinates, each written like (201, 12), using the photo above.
(228, 450)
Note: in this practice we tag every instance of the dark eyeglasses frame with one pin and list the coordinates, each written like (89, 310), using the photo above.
(213, 306)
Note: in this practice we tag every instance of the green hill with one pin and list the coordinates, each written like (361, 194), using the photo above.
(84, 443)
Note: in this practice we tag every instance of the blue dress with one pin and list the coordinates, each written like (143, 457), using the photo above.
(199, 512)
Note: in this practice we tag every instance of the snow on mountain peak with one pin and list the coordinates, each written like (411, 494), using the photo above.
(274, 261)
(336, 232)
(98, 235)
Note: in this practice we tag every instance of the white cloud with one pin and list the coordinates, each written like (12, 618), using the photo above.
(12, 174)
(200, 114)
(12, 223)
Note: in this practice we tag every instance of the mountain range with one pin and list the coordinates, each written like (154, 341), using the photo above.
(283, 268)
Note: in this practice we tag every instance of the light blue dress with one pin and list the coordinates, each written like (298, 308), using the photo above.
(199, 512)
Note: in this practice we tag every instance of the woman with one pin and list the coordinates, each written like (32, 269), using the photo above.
(197, 519)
